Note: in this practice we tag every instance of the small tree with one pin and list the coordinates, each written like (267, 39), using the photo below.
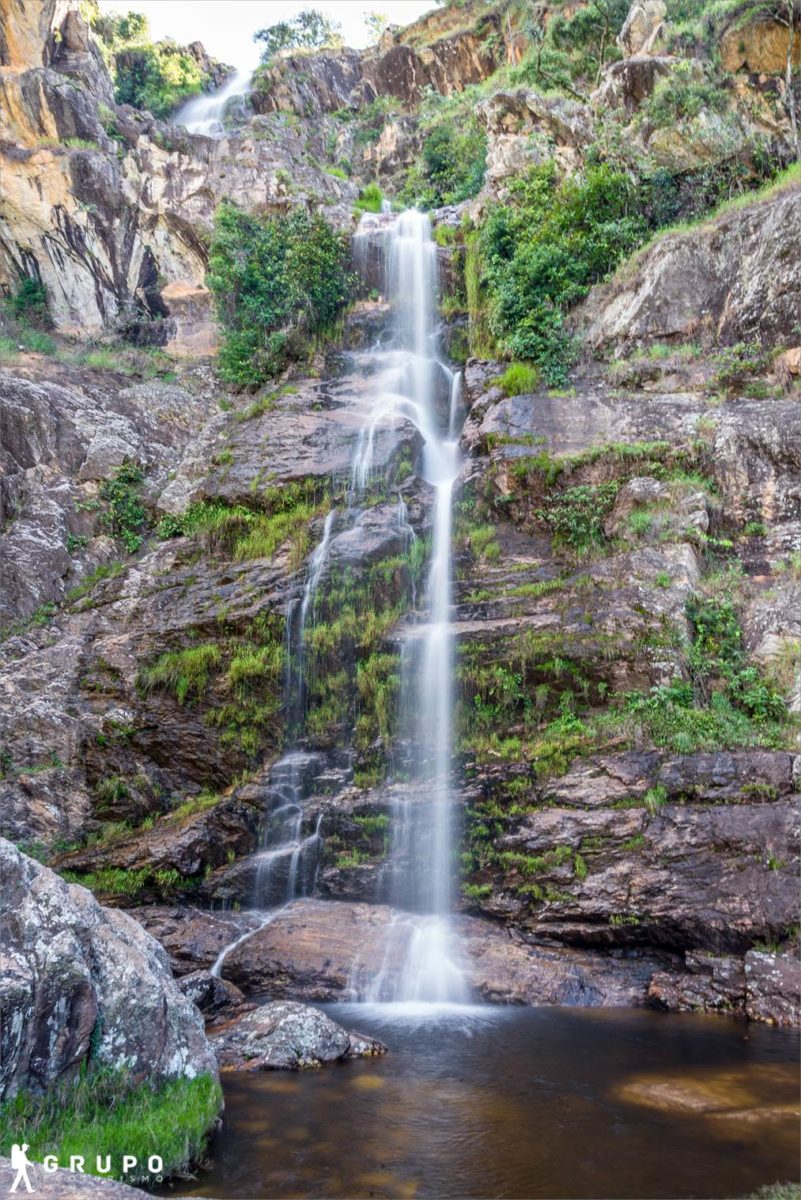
(309, 30)
(376, 25)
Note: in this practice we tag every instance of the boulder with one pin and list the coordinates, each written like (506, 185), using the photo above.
(81, 982)
(758, 46)
(643, 28)
(215, 997)
(284, 1036)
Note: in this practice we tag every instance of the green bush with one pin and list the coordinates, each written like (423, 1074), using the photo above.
(105, 1112)
(683, 95)
(452, 164)
(370, 199)
(576, 515)
(125, 515)
(277, 282)
(29, 302)
(158, 77)
(542, 252)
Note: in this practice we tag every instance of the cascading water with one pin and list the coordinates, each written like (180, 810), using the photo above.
(205, 114)
(422, 389)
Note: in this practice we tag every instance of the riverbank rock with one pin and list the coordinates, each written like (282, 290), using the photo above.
(284, 1036)
(79, 980)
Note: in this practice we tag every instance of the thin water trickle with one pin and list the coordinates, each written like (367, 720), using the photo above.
(205, 114)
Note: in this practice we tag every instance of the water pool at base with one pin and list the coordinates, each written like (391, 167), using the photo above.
(490, 1102)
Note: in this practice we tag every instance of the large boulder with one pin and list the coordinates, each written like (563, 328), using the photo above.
(643, 28)
(288, 1036)
(82, 982)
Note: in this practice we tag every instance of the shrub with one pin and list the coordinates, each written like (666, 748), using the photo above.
(29, 302)
(542, 252)
(125, 515)
(452, 164)
(158, 77)
(576, 515)
(105, 1112)
(370, 199)
(519, 378)
(277, 281)
(683, 95)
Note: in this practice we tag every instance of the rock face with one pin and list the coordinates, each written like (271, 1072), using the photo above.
(108, 224)
(758, 46)
(283, 1036)
(734, 279)
(80, 982)
(321, 951)
(643, 27)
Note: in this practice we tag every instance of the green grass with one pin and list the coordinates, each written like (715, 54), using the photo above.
(185, 673)
(519, 378)
(104, 1112)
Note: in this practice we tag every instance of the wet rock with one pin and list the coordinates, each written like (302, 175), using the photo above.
(288, 1036)
(319, 950)
(215, 997)
(773, 987)
(82, 979)
(192, 937)
(711, 983)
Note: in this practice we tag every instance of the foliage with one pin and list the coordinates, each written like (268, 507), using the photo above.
(718, 662)
(158, 78)
(185, 672)
(543, 251)
(277, 281)
(451, 166)
(309, 30)
(106, 1112)
(370, 199)
(519, 378)
(576, 515)
(125, 515)
(682, 95)
(28, 302)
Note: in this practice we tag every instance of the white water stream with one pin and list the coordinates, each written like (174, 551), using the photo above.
(205, 114)
(411, 384)
(420, 388)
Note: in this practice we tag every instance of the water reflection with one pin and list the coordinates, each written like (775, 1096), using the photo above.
(490, 1102)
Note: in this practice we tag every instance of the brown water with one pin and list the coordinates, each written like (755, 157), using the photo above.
(520, 1103)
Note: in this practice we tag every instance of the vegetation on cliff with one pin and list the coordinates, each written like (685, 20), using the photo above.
(277, 281)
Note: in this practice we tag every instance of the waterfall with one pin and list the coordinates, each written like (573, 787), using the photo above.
(205, 114)
(419, 387)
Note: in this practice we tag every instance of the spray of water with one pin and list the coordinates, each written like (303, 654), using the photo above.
(205, 114)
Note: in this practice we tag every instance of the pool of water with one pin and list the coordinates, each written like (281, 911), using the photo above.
(524, 1103)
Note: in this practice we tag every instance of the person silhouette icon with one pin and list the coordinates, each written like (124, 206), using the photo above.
(20, 1163)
